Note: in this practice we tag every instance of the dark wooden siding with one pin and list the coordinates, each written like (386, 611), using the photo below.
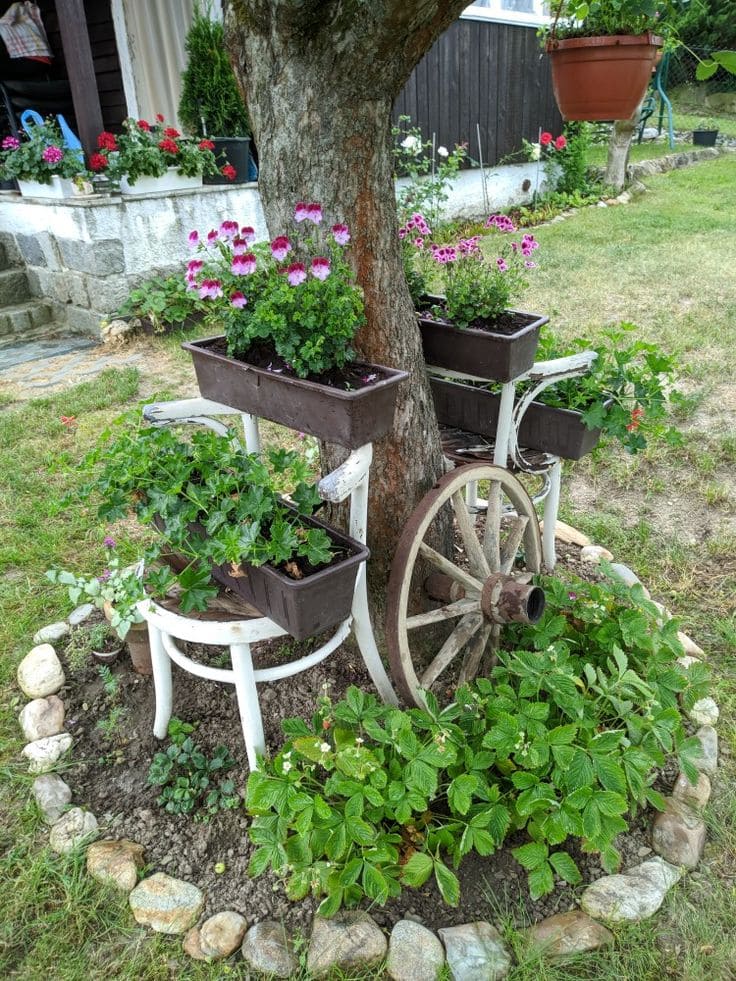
(483, 73)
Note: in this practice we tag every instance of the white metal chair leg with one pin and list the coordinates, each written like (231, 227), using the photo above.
(161, 682)
(367, 642)
(248, 704)
(551, 507)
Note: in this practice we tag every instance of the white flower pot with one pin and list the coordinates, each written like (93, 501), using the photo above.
(171, 181)
(60, 187)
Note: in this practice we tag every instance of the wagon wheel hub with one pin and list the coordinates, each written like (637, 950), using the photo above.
(504, 599)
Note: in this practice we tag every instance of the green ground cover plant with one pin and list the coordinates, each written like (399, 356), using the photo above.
(562, 739)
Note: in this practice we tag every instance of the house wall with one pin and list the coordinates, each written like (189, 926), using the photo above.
(485, 73)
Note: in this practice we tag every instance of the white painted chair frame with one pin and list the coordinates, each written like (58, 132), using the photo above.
(542, 374)
(165, 627)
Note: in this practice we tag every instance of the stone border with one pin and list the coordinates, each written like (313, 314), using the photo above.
(352, 940)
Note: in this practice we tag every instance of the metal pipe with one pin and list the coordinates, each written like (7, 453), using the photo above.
(504, 600)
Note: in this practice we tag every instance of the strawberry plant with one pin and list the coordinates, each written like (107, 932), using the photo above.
(563, 740)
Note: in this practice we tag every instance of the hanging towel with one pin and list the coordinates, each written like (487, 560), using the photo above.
(21, 28)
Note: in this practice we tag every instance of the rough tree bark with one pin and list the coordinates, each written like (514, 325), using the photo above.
(619, 146)
(320, 78)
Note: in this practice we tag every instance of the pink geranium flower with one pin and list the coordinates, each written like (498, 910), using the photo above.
(341, 234)
(228, 229)
(238, 300)
(193, 239)
(11, 143)
(211, 289)
(280, 248)
(52, 154)
(194, 265)
(243, 265)
(320, 267)
(314, 212)
(560, 143)
(248, 234)
(296, 273)
(212, 236)
(545, 139)
(301, 211)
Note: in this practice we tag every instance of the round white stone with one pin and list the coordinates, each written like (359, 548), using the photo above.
(71, 830)
(44, 754)
(54, 631)
(40, 672)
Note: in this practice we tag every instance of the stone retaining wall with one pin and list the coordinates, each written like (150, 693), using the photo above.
(85, 254)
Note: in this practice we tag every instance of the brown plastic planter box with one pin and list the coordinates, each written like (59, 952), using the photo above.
(481, 353)
(303, 607)
(348, 418)
(560, 432)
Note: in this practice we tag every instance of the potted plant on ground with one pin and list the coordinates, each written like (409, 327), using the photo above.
(705, 132)
(116, 591)
(42, 165)
(290, 309)
(468, 326)
(624, 396)
(221, 521)
(151, 158)
(211, 107)
(602, 55)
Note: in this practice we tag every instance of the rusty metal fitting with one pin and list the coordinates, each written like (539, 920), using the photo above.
(504, 600)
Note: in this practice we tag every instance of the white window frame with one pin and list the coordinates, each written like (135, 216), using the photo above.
(497, 14)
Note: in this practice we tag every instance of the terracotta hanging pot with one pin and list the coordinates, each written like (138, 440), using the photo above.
(602, 78)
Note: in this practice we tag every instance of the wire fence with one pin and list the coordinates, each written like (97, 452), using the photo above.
(716, 96)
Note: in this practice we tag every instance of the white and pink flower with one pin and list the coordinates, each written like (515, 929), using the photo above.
(314, 212)
(320, 267)
(248, 233)
(210, 289)
(301, 211)
(341, 234)
(280, 248)
(193, 239)
(238, 300)
(243, 265)
(296, 274)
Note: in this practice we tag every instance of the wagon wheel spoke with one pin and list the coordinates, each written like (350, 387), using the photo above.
(490, 654)
(474, 654)
(449, 612)
(454, 643)
(492, 533)
(513, 540)
(444, 565)
(466, 526)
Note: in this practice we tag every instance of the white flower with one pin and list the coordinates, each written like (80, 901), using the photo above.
(325, 748)
(412, 143)
(535, 151)
(442, 151)
(286, 766)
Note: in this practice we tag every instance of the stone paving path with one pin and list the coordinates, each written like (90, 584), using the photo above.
(35, 378)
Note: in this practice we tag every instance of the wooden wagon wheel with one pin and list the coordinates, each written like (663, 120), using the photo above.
(444, 614)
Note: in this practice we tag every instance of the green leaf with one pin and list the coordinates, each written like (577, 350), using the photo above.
(565, 867)
(260, 860)
(541, 881)
(374, 883)
(331, 904)
(580, 772)
(610, 774)
(706, 70)
(483, 842)
(417, 870)
(655, 799)
(610, 804)
(460, 792)
(531, 855)
(447, 883)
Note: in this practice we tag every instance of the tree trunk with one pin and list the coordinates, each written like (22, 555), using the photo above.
(320, 80)
(619, 146)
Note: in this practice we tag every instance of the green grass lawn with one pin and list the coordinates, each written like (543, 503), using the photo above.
(664, 262)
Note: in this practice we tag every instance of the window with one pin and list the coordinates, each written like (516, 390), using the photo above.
(531, 13)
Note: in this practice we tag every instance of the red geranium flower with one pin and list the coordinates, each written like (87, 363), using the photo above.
(560, 143)
(206, 145)
(545, 139)
(98, 161)
(229, 171)
(107, 141)
(168, 146)
(142, 124)
(159, 117)
(173, 133)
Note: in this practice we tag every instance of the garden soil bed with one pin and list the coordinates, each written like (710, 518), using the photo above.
(108, 775)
